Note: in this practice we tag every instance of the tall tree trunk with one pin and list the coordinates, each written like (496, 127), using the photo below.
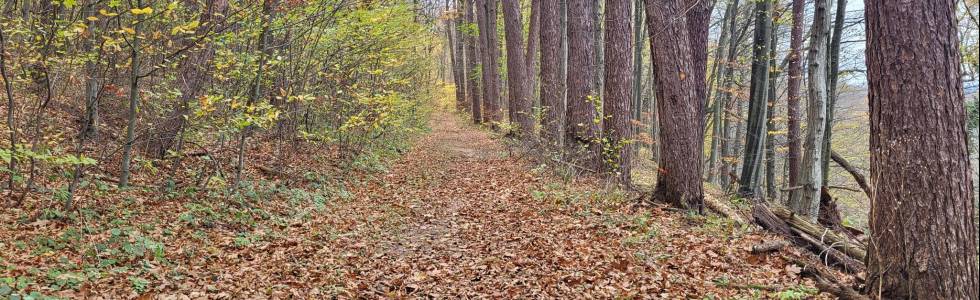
(473, 89)
(698, 18)
(833, 68)
(487, 15)
(617, 129)
(552, 102)
(455, 54)
(923, 236)
(770, 114)
(531, 55)
(518, 83)
(758, 107)
(679, 105)
(582, 126)
(807, 202)
(793, 99)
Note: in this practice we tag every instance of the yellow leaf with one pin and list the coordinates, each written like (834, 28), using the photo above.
(92, 19)
(129, 30)
(141, 11)
(106, 13)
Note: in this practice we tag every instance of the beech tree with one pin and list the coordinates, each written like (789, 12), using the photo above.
(758, 98)
(807, 202)
(923, 236)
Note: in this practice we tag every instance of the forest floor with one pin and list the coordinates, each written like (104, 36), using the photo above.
(459, 215)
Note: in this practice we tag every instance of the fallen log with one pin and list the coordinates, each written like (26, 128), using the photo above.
(723, 209)
(768, 247)
(826, 282)
(832, 256)
(829, 237)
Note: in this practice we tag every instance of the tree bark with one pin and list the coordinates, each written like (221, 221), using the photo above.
(807, 202)
(582, 126)
(552, 102)
(771, 191)
(473, 89)
(487, 16)
(833, 68)
(518, 83)
(678, 102)
(793, 98)
(618, 88)
(923, 236)
(758, 107)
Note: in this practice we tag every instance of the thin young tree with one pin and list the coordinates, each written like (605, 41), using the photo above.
(618, 88)
(923, 236)
(490, 48)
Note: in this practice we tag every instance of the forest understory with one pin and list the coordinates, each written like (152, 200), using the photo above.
(459, 215)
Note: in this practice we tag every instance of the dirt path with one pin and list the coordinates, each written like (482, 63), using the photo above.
(471, 228)
(454, 217)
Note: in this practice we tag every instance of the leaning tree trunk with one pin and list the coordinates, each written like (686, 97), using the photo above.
(758, 107)
(618, 88)
(518, 82)
(793, 99)
(472, 60)
(678, 103)
(807, 202)
(134, 62)
(923, 239)
(552, 102)
(582, 126)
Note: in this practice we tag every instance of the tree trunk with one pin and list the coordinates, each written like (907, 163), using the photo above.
(552, 102)
(833, 68)
(134, 77)
(472, 60)
(807, 202)
(793, 99)
(456, 55)
(679, 105)
(698, 18)
(582, 126)
(268, 10)
(771, 192)
(518, 83)
(923, 239)
(617, 129)
(758, 107)
(638, 38)
(530, 57)
(487, 15)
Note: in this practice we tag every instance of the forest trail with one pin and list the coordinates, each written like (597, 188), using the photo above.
(455, 216)
(466, 220)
